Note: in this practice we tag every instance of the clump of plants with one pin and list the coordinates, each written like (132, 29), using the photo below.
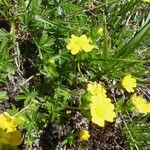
(67, 59)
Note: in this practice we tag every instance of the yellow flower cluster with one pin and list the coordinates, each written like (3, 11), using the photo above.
(8, 130)
(141, 105)
(101, 107)
(84, 135)
(80, 43)
(129, 83)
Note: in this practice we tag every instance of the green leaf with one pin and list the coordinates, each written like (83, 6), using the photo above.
(45, 40)
(13, 111)
(106, 42)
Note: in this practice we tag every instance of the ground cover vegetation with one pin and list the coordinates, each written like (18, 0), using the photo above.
(74, 74)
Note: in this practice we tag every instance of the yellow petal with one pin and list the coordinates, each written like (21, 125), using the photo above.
(99, 121)
(15, 138)
(84, 135)
(4, 137)
(87, 47)
(141, 105)
(7, 122)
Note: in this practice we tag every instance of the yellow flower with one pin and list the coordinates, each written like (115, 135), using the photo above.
(7, 122)
(96, 89)
(141, 105)
(101, 107)
(73, 45)
(9, 135)
(146, 1)
(84, 135)
(77, 44)
(129, 83)
(102, 110)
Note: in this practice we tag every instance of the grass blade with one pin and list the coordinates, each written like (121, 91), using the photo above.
(133, 42)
